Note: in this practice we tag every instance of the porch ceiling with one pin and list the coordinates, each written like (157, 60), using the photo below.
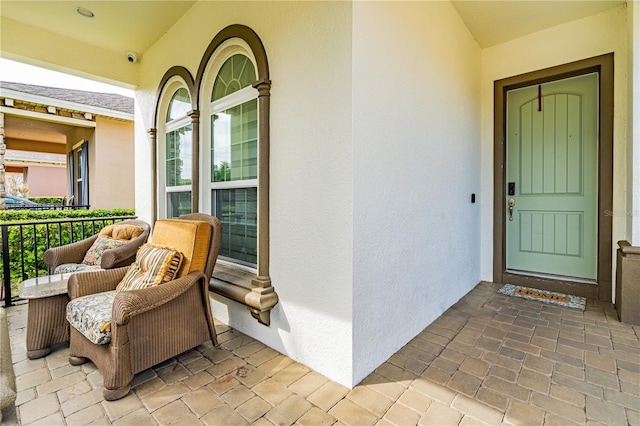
(51, 34)
(118, 26)
(35, 130)
(494, 22)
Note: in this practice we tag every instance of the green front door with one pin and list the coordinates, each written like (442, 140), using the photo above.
(552, 164)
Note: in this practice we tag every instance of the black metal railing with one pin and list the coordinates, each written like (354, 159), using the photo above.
(49, 207)
(24, 244)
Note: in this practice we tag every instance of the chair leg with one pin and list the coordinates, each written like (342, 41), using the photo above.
(38, 353)
(115, 394)
(77, 360)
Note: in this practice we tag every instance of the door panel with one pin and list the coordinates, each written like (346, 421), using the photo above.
(552, 160)
(550, 232)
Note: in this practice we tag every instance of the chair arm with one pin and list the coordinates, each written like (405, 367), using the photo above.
(90, 282)
(128, 304)
(119, 256)
(125, 254)
(69, 253)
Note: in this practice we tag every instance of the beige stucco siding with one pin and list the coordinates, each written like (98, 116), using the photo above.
(47, 181)
(111, 168)
(416, 163)
(633, 142)
(596, 35)
(308, 46)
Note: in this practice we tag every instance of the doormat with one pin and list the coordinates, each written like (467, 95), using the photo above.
(564, 300)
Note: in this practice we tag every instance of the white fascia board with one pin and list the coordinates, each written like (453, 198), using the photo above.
(12, 162)
(45, 100)
(46, 117)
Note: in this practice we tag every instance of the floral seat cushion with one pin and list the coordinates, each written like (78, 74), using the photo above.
(74, 267)
(97, 249)
(91, 316)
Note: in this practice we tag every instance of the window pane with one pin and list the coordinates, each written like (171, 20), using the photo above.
(178, 203)
(180, 105)
(79, 164)
(178, 156)
(236, 73)
(234, 144)
(237, 209)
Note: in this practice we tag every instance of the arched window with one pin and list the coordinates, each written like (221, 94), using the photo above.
(233, 89)
(233, 143)
(221, 122)
(175, 155)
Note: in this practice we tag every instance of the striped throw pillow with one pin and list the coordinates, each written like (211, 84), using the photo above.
(154, 265)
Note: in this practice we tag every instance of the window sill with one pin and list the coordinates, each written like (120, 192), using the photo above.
(246, 288)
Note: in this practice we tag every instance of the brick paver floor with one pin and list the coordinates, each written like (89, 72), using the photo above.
(490, 359)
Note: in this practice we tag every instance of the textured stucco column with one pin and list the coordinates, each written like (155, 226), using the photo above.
(3, 149)
(628, 283)
(633, 147)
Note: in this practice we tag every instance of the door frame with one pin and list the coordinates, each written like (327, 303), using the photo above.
(603, 65)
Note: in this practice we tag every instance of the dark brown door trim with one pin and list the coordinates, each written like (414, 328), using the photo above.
(603, 65)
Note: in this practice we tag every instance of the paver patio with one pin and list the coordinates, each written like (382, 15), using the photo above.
(489, 359)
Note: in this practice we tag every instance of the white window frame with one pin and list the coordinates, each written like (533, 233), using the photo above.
(237, 98)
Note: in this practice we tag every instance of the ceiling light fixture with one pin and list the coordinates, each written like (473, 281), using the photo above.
(82, 11)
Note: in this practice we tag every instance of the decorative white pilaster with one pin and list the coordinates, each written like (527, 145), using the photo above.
(633, 150)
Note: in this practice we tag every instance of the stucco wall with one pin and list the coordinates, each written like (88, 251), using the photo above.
(47, 181)
(111, 180)
(585, 38)
(633, 172)
(416, 162)
(308, 45)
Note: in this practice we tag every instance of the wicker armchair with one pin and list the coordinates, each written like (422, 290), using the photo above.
(74, 253)
(153, 324)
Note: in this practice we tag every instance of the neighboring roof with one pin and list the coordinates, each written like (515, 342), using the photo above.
(110, 101)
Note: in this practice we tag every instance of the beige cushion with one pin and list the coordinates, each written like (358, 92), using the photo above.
(154, 265)
(93, 256)
(189, 237)
(121, 232)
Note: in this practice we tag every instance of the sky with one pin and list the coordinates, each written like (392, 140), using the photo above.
(17, 72)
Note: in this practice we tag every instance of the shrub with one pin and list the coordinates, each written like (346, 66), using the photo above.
(49, 200)
(40, 215)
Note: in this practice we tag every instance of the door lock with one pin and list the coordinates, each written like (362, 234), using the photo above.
(512, 203)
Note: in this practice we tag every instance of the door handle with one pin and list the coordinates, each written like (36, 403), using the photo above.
(512, 203)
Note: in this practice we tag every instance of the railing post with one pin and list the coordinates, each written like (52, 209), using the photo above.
(6, 272)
